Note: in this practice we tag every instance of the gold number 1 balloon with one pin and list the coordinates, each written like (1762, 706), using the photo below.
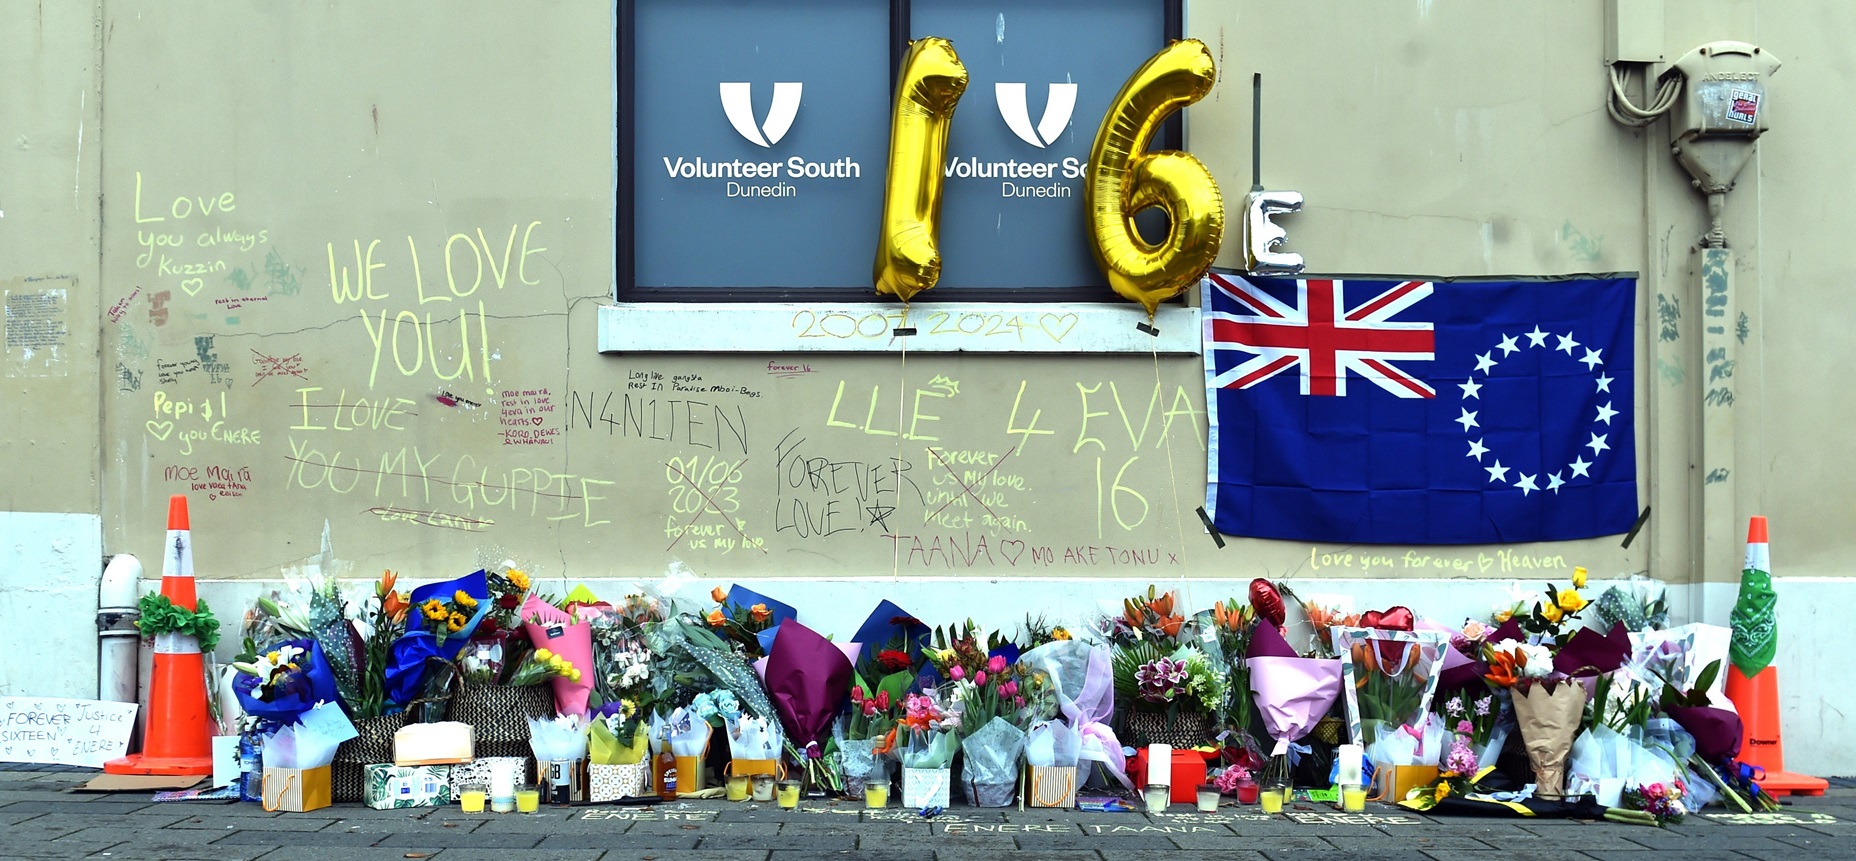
(1124, 179)
(908, 257)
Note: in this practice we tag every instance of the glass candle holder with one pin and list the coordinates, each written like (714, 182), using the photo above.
(528, 798)
(762, 787)
(471, 797)
(738, 787)
(789, 794)
(876, 795)
(1247, 791)
(1272, 798)
(1159, 795)
(1208, 798)
(1353, 798)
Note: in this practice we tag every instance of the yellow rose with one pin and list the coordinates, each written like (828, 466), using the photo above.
(1443, 791)
(1571, 602)
(1552, 613)
(1578, 578)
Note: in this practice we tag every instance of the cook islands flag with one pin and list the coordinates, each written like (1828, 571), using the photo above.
(1420, 412)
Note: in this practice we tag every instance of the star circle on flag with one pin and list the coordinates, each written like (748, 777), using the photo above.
(1528, 483)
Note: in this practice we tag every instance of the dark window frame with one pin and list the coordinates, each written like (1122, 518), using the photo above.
(625, 277)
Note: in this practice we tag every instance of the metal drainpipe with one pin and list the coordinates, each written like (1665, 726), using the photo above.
(118, 640)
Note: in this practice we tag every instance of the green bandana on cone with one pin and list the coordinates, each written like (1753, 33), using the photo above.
(1755, 624)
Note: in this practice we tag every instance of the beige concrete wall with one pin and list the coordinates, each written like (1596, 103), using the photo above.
(442, 402)
(48, 260)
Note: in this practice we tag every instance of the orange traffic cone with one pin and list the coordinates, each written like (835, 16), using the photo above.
(1756, 697)
(180, 729)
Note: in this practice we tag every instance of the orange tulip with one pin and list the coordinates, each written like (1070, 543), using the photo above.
(719, 594)
(716, 619)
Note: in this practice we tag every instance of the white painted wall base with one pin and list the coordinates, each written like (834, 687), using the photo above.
(49, 603)
(1817, 707)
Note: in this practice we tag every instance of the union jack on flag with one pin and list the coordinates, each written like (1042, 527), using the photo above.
(1321, 336)
(1479, 412)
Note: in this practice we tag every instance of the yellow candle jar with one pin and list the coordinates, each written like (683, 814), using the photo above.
(789, 794)
(738, 787)
(528, 798)
(876, 795)
(1353, 798)
(471, 798)
(1271, 799)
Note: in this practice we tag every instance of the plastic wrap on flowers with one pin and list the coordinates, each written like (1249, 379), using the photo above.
(989, 770)
(1084, 677)
(807, 679)
(297, 691)
(549, 627)
(861, 764)
(1292, 692)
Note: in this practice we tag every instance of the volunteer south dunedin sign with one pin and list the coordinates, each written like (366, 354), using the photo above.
(736, 98)
(762, 134)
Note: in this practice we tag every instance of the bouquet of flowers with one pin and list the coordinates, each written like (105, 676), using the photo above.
(1551, 616)
(284, 682)
(740, 624)
(1548, 706)
(1655, 804)
(1173, 696)
(1150, 617)
(385, 614)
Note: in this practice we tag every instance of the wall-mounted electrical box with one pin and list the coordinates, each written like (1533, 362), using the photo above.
(1726, 92)
(1633, 31)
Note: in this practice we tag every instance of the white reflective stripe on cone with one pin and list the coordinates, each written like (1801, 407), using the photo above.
(176, 644)
(178, 560)
(179, 557)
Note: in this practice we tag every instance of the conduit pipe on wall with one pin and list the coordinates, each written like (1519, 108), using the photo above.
(118, 639)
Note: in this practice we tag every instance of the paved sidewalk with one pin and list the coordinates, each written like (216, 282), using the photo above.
(38, 819)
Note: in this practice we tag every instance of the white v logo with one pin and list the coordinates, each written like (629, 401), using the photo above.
(737, 102)
(1057, 108)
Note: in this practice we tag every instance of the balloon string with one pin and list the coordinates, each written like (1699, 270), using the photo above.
(902, 387)
(1179, 517)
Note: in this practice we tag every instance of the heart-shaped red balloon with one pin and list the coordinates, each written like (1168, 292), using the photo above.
(1394, 619)
(1267, 602)
(1391, 654)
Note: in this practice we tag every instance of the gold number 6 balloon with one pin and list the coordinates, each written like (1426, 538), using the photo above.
(908, 259)
(1124, 179)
